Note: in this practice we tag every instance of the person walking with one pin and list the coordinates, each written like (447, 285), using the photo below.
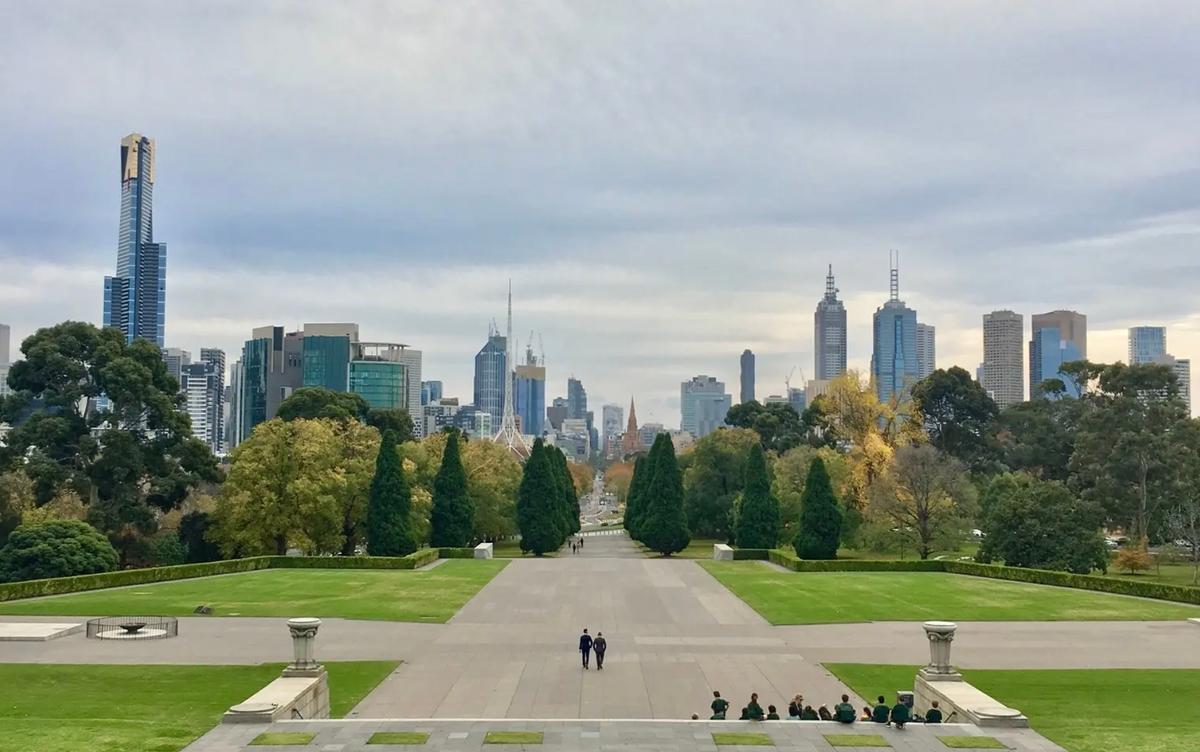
(585, 647)
(599, 645)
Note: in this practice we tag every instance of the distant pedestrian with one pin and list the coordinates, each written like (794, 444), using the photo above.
(599, 645)
(585, 647)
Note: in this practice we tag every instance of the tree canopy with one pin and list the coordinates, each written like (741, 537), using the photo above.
(102, 418)
(313, 402)
(389, 509)
(538, 501)
(1036, 523)
(778, 425)
(714, 476)
(664, 525)
(820, 530)
(452, 519)
(58, 548)
(927, 497)
(958, 414)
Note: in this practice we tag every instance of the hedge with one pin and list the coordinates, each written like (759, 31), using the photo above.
(785, 558)
(751, 554)
(61, 585)
(456, 553)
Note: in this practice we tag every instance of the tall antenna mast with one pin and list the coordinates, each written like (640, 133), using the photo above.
(508, 433)
(894, 258)
(830, 289)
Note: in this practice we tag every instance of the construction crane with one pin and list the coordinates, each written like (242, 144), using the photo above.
(787, 383)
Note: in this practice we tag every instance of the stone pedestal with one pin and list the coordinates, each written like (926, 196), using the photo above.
(304, 638)
(940, 635)
(722, 552)
(483, 551)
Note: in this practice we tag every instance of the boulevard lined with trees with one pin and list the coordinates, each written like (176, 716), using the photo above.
(98, 438)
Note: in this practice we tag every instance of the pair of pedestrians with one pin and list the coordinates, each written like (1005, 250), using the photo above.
(587, 645)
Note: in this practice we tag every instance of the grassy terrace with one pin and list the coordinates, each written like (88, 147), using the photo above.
(839, 597)
(1134, 710)
(432, 595)
(63, 708)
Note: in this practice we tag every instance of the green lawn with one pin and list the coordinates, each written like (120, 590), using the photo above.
(63, 708)
(836, 597)
(511, 549)
(432, 595)
(1089, 710)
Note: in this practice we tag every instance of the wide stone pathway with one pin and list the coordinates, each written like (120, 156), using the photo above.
(609, 736)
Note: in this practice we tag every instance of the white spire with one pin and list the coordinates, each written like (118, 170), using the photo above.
(508, 433)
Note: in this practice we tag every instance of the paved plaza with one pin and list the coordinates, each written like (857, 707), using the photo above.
(674, 633)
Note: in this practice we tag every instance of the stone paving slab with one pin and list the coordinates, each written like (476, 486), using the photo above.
(607, 736)
(26, 631)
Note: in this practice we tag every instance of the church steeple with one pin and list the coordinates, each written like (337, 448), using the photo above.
(631, 442)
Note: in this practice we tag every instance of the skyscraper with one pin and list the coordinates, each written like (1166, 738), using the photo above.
(611, 418)
(530, 403)
(271, 369)
(926, 350)
(491, 366)
(216, 358)
(747, 393)
(894, 354)
(829, 335)
(5, 334)
(1002, 372)
(203, 389)
(703, 405)
(431, 392)
(1147, 344)
(135, 299)
(576, 399)
(1057, 337)
(176, 360)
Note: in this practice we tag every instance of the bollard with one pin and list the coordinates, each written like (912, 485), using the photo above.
(940, 634)
(304, 638)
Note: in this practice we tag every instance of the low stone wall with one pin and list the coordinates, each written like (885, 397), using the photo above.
(962, 702)
(722, 552)
(483, 551)
(286, 698)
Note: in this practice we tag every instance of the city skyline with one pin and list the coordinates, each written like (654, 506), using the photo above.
(621, 216)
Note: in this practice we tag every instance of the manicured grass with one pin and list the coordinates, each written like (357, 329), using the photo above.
(432, 595)
(972, 742)
(513, 737)
(838, 597)
(1169, 574)
(735, 739)
(100, 708)
(511, 549)
(282, 739)
(1142, 710)
(398, 737)
(856, 740)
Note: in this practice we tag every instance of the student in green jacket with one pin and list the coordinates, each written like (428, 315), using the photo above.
(753, 709)
(719, 706)
(809, 714)
(881, 712)
(935, 714)
(900, 713)
(844, 712)
(772, 714)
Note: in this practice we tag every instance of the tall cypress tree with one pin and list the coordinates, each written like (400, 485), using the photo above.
(758, 514)
(558, 465)
(389, 529)
(537, 504)
(570, 500)
(633, 497)
(452, 517)
(663, 525)
(646, 475)
(820, 517)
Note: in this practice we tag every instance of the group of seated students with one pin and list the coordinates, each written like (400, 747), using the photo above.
(896, 715)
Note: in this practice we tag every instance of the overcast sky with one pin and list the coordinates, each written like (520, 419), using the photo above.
(665, 183)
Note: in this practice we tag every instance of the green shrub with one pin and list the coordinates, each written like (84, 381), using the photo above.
(1141, 589)
(414, 560)
(456, 553)
(820, 516)
(167, 550)
(785, 558)
(58, 548)
(751, 554)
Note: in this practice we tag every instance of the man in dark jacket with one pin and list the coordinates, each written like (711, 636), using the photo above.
(599, 645)
(881, 712)
(585, 647)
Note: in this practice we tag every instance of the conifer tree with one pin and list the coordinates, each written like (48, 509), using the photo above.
(820, 517)
(452, 516)
(570, 500)
(537, 504)
(558, 465)
(663, 525)
(389, 529)
(633, 498)
(758, 514)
